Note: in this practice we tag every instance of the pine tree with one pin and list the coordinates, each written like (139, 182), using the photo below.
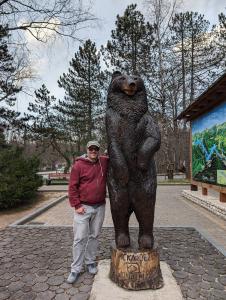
(8, 87)
(160, 13)
(130, 44)
(191, 40)
(219, 39)
(83, 104)
(18, 175)
(43, 126)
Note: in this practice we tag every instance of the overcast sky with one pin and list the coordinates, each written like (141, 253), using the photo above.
(51, 62)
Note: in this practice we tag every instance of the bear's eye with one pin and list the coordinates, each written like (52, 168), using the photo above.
(135, 78)
(123, 78)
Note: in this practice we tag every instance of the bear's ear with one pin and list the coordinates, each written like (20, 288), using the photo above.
(116, 74)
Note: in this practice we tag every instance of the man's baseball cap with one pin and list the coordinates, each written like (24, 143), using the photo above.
(93, 143)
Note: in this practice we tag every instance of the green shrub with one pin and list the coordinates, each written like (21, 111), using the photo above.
(18, 179)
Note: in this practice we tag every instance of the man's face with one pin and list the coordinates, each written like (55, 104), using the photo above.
(93, 152)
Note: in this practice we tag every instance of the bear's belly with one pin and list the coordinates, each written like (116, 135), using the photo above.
(130, 140)
(127, 136)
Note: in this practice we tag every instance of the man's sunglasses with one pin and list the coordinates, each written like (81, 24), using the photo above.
(91, 149)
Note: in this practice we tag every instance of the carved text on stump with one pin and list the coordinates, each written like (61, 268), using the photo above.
(136, 270)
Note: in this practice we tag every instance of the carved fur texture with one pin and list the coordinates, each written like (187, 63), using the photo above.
(133, 139)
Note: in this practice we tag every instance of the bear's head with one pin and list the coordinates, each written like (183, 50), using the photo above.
(127, 95)
(128, 84)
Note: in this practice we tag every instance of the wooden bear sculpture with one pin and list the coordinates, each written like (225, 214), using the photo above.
(133, 139)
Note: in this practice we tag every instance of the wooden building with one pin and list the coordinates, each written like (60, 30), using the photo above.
(207, 116)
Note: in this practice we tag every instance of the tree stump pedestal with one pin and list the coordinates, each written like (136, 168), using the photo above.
(135, 269)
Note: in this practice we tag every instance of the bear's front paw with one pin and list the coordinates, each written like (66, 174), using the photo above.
(122, 175)
(122, 240)
(142, 164)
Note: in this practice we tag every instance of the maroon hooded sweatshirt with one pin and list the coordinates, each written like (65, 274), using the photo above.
(88, 181)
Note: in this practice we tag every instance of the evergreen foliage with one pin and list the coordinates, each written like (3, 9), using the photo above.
(8, 87)
(131, 43)
(45, 127)
(176, 53)
(18, 178)
(82, 109)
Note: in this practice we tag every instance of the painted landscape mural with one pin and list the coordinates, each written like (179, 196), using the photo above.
(209, 147)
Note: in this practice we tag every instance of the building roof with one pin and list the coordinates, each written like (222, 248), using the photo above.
(213, 96)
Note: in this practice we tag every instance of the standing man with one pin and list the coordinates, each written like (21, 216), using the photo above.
(87, 191)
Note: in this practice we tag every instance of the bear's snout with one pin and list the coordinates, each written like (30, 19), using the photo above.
(132, 85)
(129, 87)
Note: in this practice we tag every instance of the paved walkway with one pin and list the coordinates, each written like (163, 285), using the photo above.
(35, 261)
(171, 210)
(53, 188)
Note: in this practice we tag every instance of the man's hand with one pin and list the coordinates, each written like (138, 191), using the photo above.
(81, 210)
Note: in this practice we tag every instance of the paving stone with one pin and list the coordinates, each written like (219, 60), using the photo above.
(218, 286)
(40, 287)
(15, 286)
(88, 275)
(17, 295)
(4, 282)
(65, 285)
(219, 294)
(41, 278)
(47, 295)
(180, 274)
(27, 266)
(56, 280)
(222, 280)
(4, 295)
(192, 294)
(53, 288)
(26, 289)
(88, 281)
(204, 285)
(28, 296)
(41, 273)
(60, 272)
(29, 278)
(62, 297)
(197, 270)
(7, 276)
(221, 271)
(85, 288)
(208, 278)
(60, 291)
(80, 297)
(73, 291)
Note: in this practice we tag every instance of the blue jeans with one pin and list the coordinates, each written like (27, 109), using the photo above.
(86, 229)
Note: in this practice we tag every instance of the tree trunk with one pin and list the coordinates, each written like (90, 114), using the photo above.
(135, 269)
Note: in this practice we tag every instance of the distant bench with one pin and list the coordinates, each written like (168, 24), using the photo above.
(57, 176)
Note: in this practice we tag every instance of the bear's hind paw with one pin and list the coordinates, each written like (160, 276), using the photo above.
(146, 242)
(122, 240)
